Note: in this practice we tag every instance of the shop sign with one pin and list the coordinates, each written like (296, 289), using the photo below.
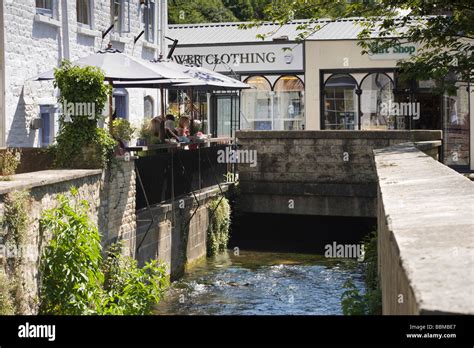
(400, 51)
(245, 58)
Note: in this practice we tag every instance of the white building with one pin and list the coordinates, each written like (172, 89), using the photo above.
(36, 35)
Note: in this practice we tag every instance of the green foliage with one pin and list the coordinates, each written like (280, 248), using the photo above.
(14, 225)
(122, 129)
(147, 133)
(370, 302)
(219, 224)
(70, 265)
(443, 30)
(129, 289)
(9, 161)
(199, 11)
(75, 278)
(80, 143)
(6, 300)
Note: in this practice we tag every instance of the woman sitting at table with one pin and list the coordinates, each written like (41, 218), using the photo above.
(183, 129)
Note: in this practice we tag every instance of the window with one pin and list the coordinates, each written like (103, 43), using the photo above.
(288, 103)
(340, 102)
(121, 15)
(257, 104)
(46, 7)
(84, 11)
(148, 107)
(148, 18)
(376, 102)
(121, 103)
(47, 132)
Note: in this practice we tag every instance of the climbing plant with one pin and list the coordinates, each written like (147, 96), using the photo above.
(77, 280)
(369, 303)
(14, 226)
(219, 224)
(83, 95)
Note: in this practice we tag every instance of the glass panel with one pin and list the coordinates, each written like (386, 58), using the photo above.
(456, 127)
(340, 103)
(149, 20)
(120, 106)
(377, 100)
(223, 116)
(83, 11)
(288, 104)
(116, 15)
(256, 105)
(45, 7)
(148, 107)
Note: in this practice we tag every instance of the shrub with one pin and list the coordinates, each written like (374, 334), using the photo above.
(9, 161)
(80, 143)
(122, 130)
(76, 279)
(352, 301)
(219, 223)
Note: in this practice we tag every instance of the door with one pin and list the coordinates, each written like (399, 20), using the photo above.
(225, 115)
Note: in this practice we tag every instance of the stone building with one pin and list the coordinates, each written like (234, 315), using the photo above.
(36, 35)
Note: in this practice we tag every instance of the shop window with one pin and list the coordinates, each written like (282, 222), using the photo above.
(46, 7)
(340, 102)
(148, 18)
(120, 103)
(120, 13)
(288, 104)
(377, 103)
(84, 11)
(256, 104)
(148, 107)
(456, 127)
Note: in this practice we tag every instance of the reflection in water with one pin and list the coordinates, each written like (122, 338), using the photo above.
(262, 283)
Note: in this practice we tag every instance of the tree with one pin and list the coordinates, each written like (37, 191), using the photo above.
(443, 29)
(199, 11)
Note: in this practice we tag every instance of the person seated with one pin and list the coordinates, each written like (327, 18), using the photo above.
(183, 129)
(170, 131)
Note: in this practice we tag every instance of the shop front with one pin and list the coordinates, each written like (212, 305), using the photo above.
(351, 91)
(273, 67)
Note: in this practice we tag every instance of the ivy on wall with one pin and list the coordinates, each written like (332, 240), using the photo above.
(14, 226)
(83, 95)
(219, 224)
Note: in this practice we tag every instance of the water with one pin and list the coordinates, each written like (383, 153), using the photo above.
(262, 283)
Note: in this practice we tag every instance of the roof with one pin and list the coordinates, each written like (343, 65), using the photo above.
(212, 33)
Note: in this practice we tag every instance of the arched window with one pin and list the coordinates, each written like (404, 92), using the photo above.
(340, 102)
(376, 102)
(288, 103)
(148, 107)
(256, 104)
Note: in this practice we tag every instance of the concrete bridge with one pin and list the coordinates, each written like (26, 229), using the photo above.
(328, 173)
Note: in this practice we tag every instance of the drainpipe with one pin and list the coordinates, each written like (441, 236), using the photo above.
(2, 78)
(65, 30)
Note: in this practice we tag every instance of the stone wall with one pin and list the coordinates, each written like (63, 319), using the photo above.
(425, 234)
(176, 237)
(315, 172)
(112, 207)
